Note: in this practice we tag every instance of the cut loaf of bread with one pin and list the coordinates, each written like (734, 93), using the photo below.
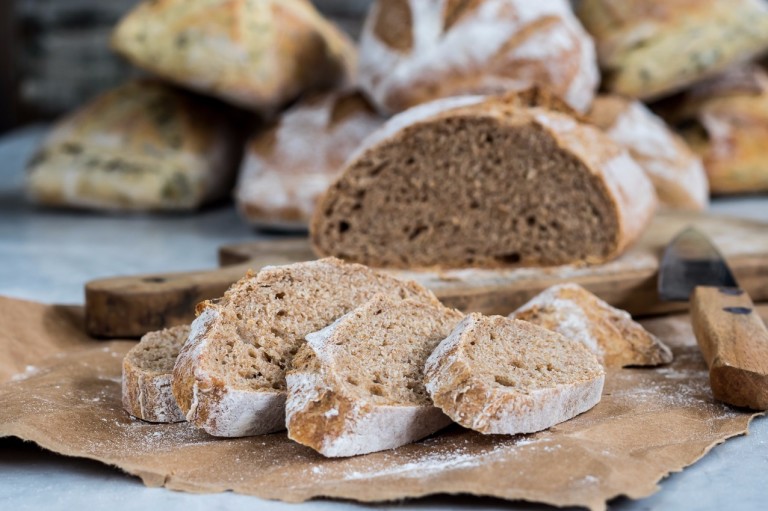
(229, 378)
(502, 376)
(473, 181)
(608, 332)
(356, 386)
(147, 372)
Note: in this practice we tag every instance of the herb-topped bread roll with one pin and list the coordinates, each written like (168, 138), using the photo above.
(471, 181)
(414, 51)
(142, 146)
(651, 48)
(725, 120)
(675, 170)
(257, 54)
(288, 167)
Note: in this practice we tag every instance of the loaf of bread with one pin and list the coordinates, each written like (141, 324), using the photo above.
(725, 120)
(676, 171)
(651, 48)
(414, 51)
(229, 378)
(142, 146)
(469, 181)
(257, 54)
(356, 386)
(608, 332)
(147, 372)
(502, 376)
(287, 167)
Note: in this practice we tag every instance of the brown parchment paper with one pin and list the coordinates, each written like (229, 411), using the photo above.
(648, 424)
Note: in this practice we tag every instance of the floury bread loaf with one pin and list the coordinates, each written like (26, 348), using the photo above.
(608, 332)
(502, 376)
(257, 54)
(142, 146)
(473, 181)
(147, 373)
(676, 171)
(229, 378)
(414, 51)
(289, 166)
(356, 386)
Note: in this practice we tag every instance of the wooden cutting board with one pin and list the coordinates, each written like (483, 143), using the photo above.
(131, 306)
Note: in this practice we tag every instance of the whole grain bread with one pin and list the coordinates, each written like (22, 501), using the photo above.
(676, 171)
(608, 332)
(502, 376)
(141, 146)
(229, 378)
(414, 51)
(147, 373)
(474, 181)
(356, 386)
(257, 54)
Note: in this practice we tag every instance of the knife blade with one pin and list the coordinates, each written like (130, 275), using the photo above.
(732, 337)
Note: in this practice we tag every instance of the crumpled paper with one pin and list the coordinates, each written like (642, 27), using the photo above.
(65, 396)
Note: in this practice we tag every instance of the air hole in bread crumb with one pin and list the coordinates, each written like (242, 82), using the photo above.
(280, 295)
(343, 226)
(376, 390)
(511, 258)
(280, 313)
(352, 381)
(531, 221)
(503, 380)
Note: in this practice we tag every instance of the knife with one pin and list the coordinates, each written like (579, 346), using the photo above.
(731, 335)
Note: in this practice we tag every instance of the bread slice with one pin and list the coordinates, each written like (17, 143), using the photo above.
(356, 386)
(503, 376)
(229, 378)
(147, 372)
(608, 332)
(471, 181)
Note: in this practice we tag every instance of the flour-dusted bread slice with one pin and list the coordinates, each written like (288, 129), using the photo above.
(414, 51)
(502, 376)
(142, 146)
(147, 374)
(356, 386)
(676, 171)
(229, 378)
(469, 181)
(289, 166)
(652, 48)
(608, 332)
(258, 54)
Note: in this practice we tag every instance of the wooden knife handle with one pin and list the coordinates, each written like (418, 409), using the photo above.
(734, 341)
(132, 306)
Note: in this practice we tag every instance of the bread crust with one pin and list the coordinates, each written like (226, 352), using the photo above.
(414, 51)
(471, 402)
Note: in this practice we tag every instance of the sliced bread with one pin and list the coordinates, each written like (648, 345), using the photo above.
(608, 332)
(229, 378)
(502, 376)
(356, 386)
(147, 372)
(472, 181)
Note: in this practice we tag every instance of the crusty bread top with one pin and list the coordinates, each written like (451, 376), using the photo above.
(156, 353)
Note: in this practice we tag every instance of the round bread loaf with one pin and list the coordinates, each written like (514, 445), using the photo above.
(257, 54)
(287, 167)
(651, 48)
(414, 51)
(470, 181)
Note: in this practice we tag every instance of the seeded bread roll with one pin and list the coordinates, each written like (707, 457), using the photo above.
(675, 170)
(147, 370)
(652, 48)
(257, 54)
(502, 376)
(229, 378)
(414, 51)
(469, 181)
(609, 333)
(289, 166)
(725, 120)
(142, 146)
(356, 386)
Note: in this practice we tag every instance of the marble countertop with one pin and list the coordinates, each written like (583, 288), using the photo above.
(48, 255)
